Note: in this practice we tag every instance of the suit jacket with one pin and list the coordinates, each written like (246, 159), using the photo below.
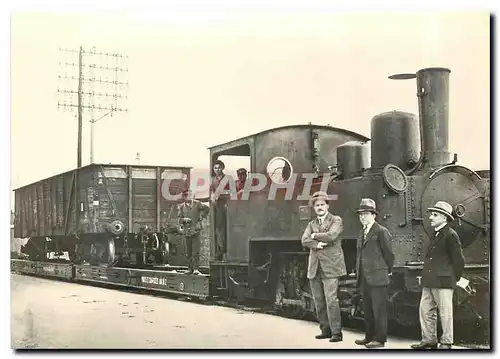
(330, 257)
(196, 212)
(444, 260)
(374, 259)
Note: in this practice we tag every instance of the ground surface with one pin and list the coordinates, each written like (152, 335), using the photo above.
(56, 315)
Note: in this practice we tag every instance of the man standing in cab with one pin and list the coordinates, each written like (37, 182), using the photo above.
(191, 214)
(326, 265)
(374, 263)
(443, 267)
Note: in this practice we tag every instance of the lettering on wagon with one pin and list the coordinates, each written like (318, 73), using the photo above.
(154, 280)
(49, 269)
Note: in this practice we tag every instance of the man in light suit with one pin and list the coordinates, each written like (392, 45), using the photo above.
(374, 262)
(443, 267)
(326, 265)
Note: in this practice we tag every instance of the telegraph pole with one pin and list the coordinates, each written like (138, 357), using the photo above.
(85, 76)
(80, 81)
(87, 88)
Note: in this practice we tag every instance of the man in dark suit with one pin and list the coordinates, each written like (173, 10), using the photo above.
(373, 264)
(326, 265)
(443, 267)
(190, 214)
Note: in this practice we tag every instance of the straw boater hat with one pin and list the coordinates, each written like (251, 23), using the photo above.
(318, 195)
(444, 208)
(367, 205)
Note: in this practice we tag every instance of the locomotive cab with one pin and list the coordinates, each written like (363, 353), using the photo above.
(261, 227)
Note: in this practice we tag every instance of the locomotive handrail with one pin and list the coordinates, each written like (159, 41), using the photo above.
(453, 166)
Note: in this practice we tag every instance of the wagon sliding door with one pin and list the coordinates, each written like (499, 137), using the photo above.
(144, 198)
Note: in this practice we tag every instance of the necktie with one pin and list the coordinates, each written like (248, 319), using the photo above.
(365, 232)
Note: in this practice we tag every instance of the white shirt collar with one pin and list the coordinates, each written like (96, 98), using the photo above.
(322, 218)
(369, 226)
(440, 227)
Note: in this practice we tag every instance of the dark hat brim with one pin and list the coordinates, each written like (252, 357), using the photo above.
(434, 209)
(366, 209)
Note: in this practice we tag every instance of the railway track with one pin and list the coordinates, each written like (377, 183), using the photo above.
(100, 277)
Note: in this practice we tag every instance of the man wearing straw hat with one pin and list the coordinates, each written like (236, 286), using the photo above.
(326, 265)
(374, 262)
(443, 267)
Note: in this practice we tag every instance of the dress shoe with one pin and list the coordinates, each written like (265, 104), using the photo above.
(374, 344)
(362, 341)
(323, 336)
(336, 338)
(444, 346)
(424, 346)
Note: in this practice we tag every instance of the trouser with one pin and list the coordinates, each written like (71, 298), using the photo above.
(375, 311)
(324, 291)
(220, 229)
(193, 251)
(436, 299)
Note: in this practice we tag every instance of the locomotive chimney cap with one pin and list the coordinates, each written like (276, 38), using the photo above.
(435, 69)
(402, 76)
(412, 76)
(444, 208)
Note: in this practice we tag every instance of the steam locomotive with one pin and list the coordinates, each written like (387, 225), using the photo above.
(113, 223)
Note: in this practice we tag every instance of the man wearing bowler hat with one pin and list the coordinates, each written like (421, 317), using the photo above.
(326, 265)
(374, 262)
(443, 267)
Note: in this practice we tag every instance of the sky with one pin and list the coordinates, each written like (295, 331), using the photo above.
(197, 78)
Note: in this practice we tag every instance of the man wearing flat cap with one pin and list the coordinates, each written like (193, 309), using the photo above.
(374, 262)
(443, 267)
(326, 265)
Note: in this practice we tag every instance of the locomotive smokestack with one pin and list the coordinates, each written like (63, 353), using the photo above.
(433, 99)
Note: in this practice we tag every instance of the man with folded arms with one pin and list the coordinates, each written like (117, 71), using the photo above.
(326, 265)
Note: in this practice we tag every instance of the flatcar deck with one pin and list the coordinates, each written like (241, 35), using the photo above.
(58, 270)
(160, 279)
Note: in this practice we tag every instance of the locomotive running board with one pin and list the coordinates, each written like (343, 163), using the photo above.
(163, 281)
